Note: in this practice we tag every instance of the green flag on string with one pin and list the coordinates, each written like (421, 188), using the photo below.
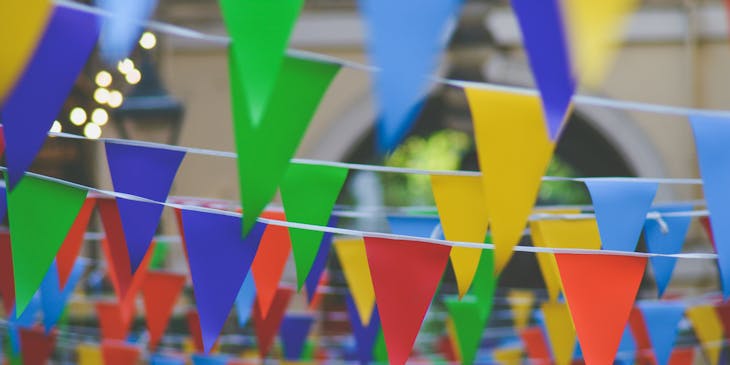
(380, 352)
(485, 282)
(469, 323)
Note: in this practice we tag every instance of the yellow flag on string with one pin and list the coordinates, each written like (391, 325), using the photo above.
(579, 233)
(22, 24)
(595, 29)
(464, 218)
(508, 356)
(354, 262)
(514, 150)
(520, 303)
(708, 329)
(89, 354)
(560, 331)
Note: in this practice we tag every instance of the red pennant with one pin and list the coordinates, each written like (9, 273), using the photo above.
(723, 311)
(36, 346)
(445, 346)
(114, 323)
(600, 291)
(115, 247)
(267, 327)
(405, 276)
(119, 353)
(7, 279)
(195, 333)
(682, 356)
(641, 336)
(271, 258)
(69, 251)
(535, 345)
(160, 292)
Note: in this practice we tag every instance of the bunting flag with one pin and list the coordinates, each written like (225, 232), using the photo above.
(404, 61)
(662, 321)
(626, 348)
(485, 283)
(354, 262)
(193, 321)
(405, 276)
(214, 245)
(35, 245)
(266, 144)
(365, 335)
(36, 345)
(293, 332)
(535, 344)
(146, 172)
(595, 30)
(682, 356)
(268, 265)
(47, 77)
(508, 356)
(417, 226)
(320, 263)
(669, 242)
(7, 279)
(160, 291)
(545, 41)
(69, 251)
(560, 331)
(466, 316)
(640, 334)
(245, 300)
(119, 33)
(115, 247)
(621, 208)
(55, 296)
(510, 184)
(711, 136)
(600, 290)
(267, 327)
(464, 218)
(88, 354)
(723, 312)
(708, 329)
(119, 353)
(520, 303)
(309, 193)
(114, 323)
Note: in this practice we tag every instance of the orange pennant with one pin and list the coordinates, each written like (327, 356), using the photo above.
(682, 356)
(600, 291)
(69, 251)
(160, 292)
(119, 353)
(267, 327)
(113, 323)
(271, 257)
(641, 335)
(535, 345)
(405, 277)
(36, 346)
(196, 334)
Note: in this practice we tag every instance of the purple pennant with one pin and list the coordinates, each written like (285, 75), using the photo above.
(219, 260)
(293, 331)
(3, 203)
(544, 39)
(320, 262)
(145, 172)
(41, 91)
(365, 336)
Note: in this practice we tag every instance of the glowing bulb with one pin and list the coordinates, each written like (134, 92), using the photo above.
(101, 95)
(103, 79)
(125, 66)
(56, 127)
(148, 40)
(77, 116)
(99, 116)
(115, 99)
(92, 131)
(133, 76)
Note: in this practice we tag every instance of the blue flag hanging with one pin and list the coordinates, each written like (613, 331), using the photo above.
(425, 226)
(54, 297)
(293, 332)
(666, 241)
(245, 299)
(320, 262)
(662, 321)
(119, 33)
(365, 336)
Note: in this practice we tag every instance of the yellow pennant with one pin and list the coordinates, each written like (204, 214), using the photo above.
(595, 29)
(354, 262)
(514, 151)
(22, 24)
(582, 233)
(560, 330)
(707, 327)
(89, 354)
(463, 213)
(508, 356)
(453, 341)
(520, 302)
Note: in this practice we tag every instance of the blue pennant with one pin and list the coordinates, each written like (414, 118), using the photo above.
(53, 297)
(119, 33)
(365, 336)
(293, 332)
(423, 226)
(320, 262)
(245, 299)
(669, 242)
(662, 321)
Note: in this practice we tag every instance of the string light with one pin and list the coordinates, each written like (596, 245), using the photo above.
(99, 116)
(101, 95)
(115, 99)
(133, 76)
(92, 131)
(77, 116)
(103, 79)
(125, 66)
(56, 127)
(148, 40)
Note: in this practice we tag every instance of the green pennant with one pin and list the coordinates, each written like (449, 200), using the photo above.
(260, 32)
(485, 282)
(40, 213)
(380, 352)
(469, 323)
(309, 193)
(265, 148)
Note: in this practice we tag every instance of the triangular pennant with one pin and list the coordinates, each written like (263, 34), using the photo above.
(270, 261)
(146, 172)
(245, 300)
(265, 147)
(600, 291)
(640, 334)
(621, 208)
(35, 245)
(69, 251)
(47, 77)
(415, 226)
(54, 295)
(508, 356)
(196, 336)
(464, 218)
(115, 247)
(267, 327)
(214, 245)
(723, 312)
(309, 193)
(626, 348)
(293, 332)
(114, 323)
(315, 275)
(485, 283)
(682, 356)
(708, 329)
(405, 276)
(662, 321)
(36, 345)
(119, 353)
(535, 344)
(160, 291)
(466, 316)
(666, 242)
(380, 353)
(520, 303)
(365, 335)
(120, 33)
(88, 354)
(711, 136)
(512, 157)
(560, 331)
(354, 263)
(7, 279)
(404, 62)
(547, 50)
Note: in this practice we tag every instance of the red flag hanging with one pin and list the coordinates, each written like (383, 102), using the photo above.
(267, 327)
(160, 291)
(271, 257)
(36, 346)
(119, 353)
(7, 280)
(194, 327)
(114, 323)
(535, 345)
(69, 251)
